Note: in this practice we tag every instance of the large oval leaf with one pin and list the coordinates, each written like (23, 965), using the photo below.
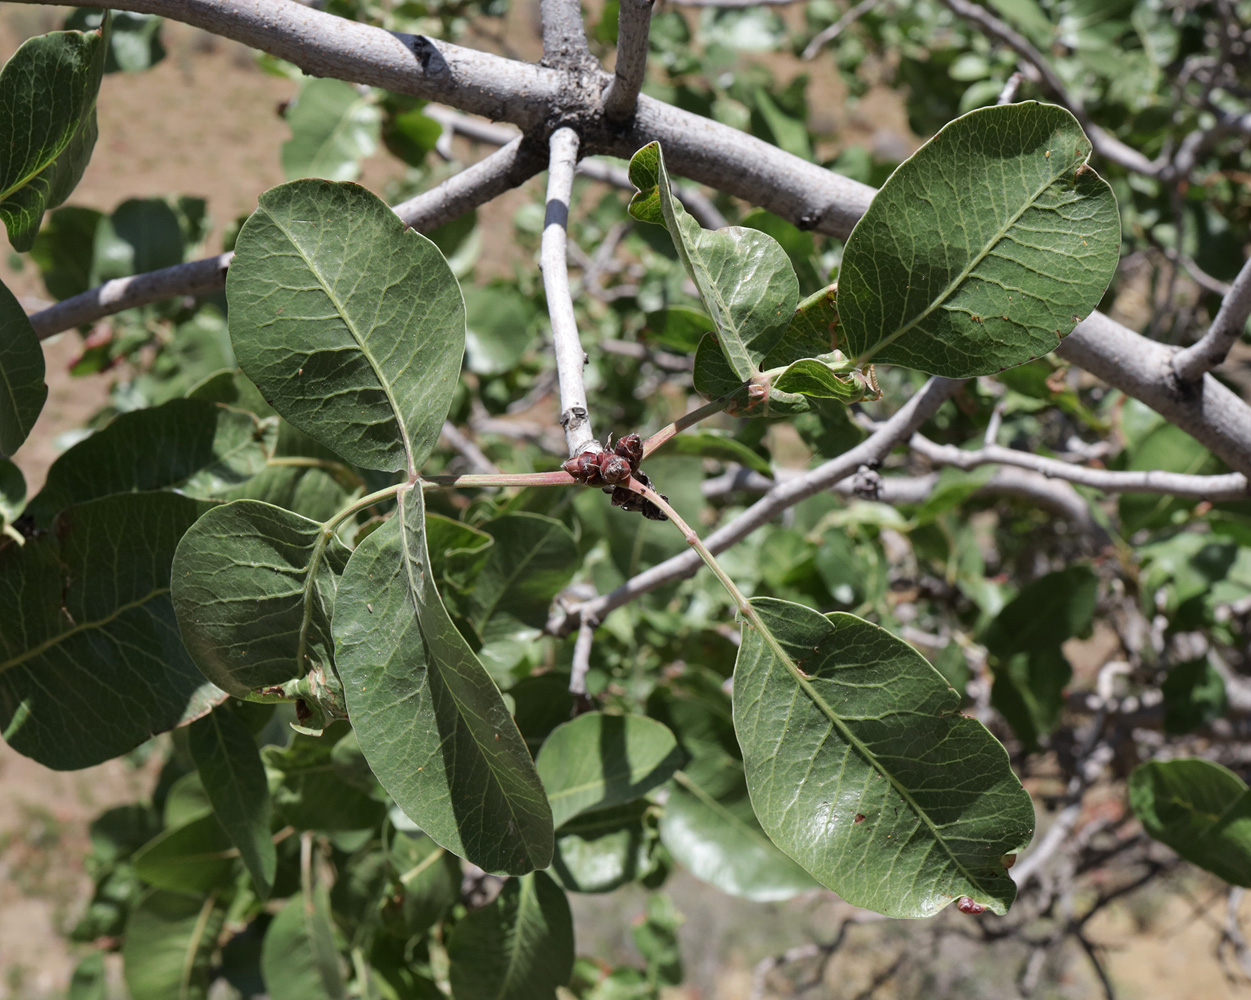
(430, 720)
(253, 586)
(982, 250)
(744, 277)
(86, 612)
(48, 118)
(596, 761)
(518, 948)
(1201, 810)
(333, 128)
(22, 388)
(861, 767)
(351, 325)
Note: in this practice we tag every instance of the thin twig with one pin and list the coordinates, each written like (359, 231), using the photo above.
(491, 176)
(869, 452)
(633, 27)
(468, 450)
(1230, 486)
(1009, 92)
(827, 35)
(581, 660)
(575, 417)
(1226, 329)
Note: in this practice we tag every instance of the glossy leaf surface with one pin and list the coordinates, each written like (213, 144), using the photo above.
(352, 326)
(861, 767)
(518, 948)
(984, 249)
(254, 587)
(430, 720)
(88, 610)
(226, 756)
(1201, 810)
(22, 388)
(48, 115)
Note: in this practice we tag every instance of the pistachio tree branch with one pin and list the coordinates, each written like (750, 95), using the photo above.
(1231, 486)
(575, 416)
(502, 170)
(1214, 346)
(872, 450)
(564, 35)
(633, 28)
(828, 34)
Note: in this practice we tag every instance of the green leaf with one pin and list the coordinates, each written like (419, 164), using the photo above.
(720, 841)
(253, 586)
(333, 128)
(134, 39)
(596, 761)
(718, 445)
(861, 767)
(351, 325)
(744, 277)
(310, 790)
(431, 721)
(518, 948)
(984, 249)
(812, 331)
(12, 493)
(199, 448)
(22, 388)
(1194, 696)
(531, 561)
(603, 850)
(63, 250)
(1201, 810)
(142, 234)
(169, 941)
(48, 114)
(229, 763)
(299, 960)
(823, 380)
(88, 981)
(91, 611)
(499, 322)
(196, 857)
(430, 876)
(679, 327)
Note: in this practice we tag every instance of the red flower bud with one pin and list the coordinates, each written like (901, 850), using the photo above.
(613, 468)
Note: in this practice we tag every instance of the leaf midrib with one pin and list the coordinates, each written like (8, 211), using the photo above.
(341, 309)
(947, 292)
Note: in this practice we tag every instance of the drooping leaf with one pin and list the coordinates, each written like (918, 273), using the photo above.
(518, 948)
(861, 767)
(1201, 810)
(532, 559)
(195, 858)
(87, 611)
(744, 277)
(48, 115)
(253, 586)
(199, 448)
(229, 763)
(333, 128)
(432, 723)
(168, 944)
(22, 388)
(596, 761)
(984, 249)
(352, 326)
(299, 960)
(720, 841)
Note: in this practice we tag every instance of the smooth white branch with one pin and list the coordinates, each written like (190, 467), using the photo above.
(575, 416)
(1214, 346)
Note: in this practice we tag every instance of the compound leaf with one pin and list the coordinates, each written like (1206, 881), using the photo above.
(984, 249)
(861, 767)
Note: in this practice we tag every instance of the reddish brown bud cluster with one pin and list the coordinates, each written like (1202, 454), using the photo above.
(966, 905)
(612, 470)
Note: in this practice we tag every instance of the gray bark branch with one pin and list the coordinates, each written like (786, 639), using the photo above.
(633, 30)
